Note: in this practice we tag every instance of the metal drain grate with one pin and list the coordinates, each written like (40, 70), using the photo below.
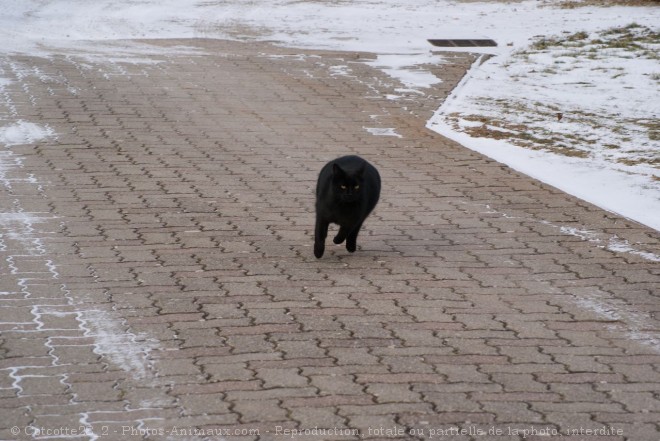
(463, 43)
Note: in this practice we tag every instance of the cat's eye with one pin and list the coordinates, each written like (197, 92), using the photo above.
(357, 187)
(343, 187)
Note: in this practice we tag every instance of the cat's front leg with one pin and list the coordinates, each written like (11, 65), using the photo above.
(320, 233)
(351, 239)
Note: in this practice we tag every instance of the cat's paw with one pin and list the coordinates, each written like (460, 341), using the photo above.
(341, 235)
(319, 248)
(351, 246)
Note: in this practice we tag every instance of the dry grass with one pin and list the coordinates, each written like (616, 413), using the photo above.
(632, 38)
(517, 134)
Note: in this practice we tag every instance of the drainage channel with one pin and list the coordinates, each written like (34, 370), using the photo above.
(463, 43)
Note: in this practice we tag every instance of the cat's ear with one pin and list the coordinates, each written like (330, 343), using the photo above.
(337, 170)
(360, 171)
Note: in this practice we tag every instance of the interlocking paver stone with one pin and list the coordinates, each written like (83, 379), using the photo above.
(157, 278)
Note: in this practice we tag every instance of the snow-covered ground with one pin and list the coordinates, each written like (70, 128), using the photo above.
(571, 96)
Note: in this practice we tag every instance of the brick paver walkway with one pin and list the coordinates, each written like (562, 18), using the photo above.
(157, 279)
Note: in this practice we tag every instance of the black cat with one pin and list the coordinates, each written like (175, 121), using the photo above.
(346, 192)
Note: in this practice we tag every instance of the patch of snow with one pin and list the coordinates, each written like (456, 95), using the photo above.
(341, 70)
(125, 349)
(388, 131)
(408, 70)
(591, 236)
(613, 243)
(637, 327)
(23, 132)
(19, 227)
(619, 245)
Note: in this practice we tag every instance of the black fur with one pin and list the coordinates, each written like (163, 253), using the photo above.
(347, 190)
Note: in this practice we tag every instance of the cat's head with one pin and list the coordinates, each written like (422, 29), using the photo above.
(347, 184)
